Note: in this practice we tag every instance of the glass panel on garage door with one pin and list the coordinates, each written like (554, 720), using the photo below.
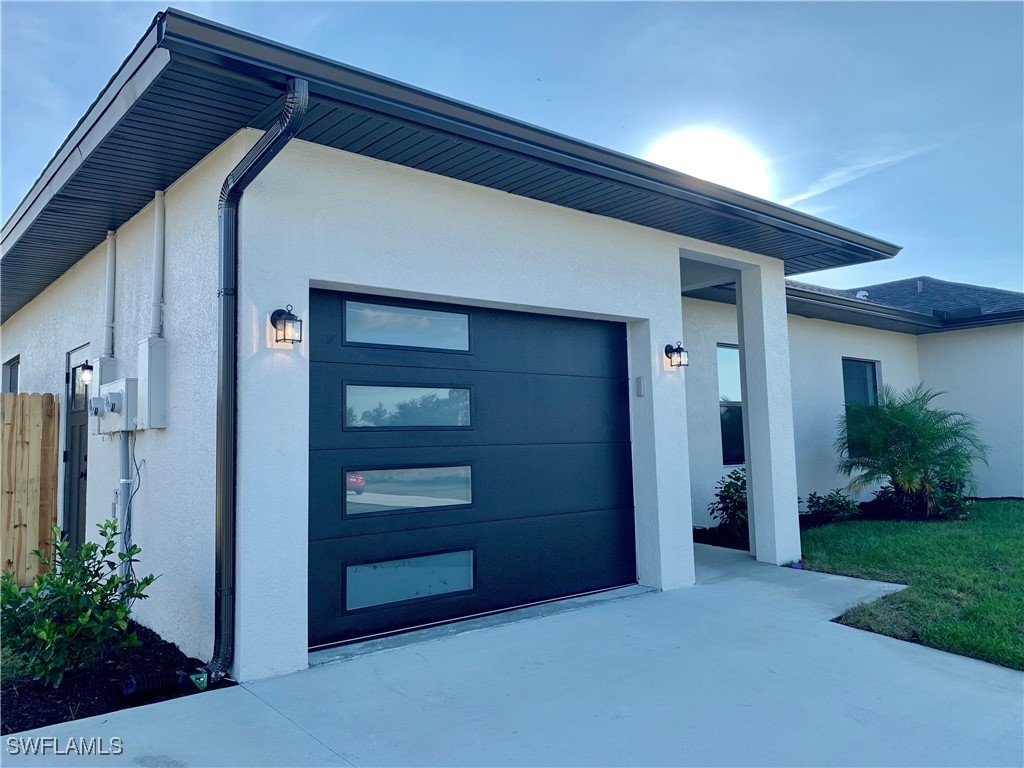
(462, 460)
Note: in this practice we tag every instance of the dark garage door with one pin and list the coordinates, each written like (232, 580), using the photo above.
(462, 460)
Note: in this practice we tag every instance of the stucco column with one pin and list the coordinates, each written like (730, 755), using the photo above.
(768, 414)
(661, 476)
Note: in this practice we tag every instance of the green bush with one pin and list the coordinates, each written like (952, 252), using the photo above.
(76, 609)
(730, 505)
(925, 454)
(947, 502)
(835, 506)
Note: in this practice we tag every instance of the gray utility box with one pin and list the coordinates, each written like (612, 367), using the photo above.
(153, 383)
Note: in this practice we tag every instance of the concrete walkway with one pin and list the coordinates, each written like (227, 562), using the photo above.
(743, 669)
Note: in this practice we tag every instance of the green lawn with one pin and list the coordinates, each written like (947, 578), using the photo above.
(966, 579)
(9, 665)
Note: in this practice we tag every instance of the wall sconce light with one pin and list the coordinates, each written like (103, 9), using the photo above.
(87, 373)
(287, 327)
(677, 356)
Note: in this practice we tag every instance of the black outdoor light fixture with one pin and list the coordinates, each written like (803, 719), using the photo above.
(86, 373)
(287, 327)
(677, 356)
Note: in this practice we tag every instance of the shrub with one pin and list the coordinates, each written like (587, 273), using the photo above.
(915, 448)
(948, 502)
(834, 506)
(76, 609)
(730, 505)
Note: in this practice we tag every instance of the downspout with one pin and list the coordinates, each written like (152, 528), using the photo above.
(267, 148)
(256, 159)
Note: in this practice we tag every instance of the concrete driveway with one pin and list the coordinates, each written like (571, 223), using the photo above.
(743, 669)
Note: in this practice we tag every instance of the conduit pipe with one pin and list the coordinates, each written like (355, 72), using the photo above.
(156, 316)
(124, 492)
(108, 312)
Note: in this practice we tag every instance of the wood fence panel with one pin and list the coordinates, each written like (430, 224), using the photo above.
(30, 463)
(10, 538)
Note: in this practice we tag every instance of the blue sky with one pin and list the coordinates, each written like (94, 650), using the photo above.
(901, 120)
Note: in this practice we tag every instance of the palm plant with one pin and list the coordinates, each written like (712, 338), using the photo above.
(906, 442)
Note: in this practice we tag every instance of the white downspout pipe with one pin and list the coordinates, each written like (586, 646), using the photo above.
(156, 320)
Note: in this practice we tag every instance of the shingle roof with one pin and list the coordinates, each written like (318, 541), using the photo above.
(837, 292)
(928, 294)
(940, 306)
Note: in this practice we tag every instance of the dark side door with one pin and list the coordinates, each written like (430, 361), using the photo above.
(76, 456)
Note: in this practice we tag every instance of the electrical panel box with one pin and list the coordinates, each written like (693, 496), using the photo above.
(118, 409)
(152, 383)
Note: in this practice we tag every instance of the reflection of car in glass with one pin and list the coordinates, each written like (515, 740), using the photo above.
(355, 482)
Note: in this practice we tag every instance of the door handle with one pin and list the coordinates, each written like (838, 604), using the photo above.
(81, 475)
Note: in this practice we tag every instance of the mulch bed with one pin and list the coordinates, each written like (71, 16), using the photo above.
(720, 537)
(27, 704)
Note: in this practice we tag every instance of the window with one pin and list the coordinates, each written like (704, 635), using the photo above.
(730, 404)
(860, 382)
(394, 406)
(411, 578)
(391, 326)
(383, 491)
(860, 387)
(79, 389)
(12, 371)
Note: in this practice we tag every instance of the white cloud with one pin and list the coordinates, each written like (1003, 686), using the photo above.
(858, 167)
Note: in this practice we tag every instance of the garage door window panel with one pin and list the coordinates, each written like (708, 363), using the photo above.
(397, 490)
(392, 406)
(408, 327)
(408, 580)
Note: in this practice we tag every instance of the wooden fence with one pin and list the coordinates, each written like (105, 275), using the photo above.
(28, 485)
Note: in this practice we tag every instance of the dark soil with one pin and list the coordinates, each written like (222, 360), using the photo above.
(722, 537)
(27, 704)
(719, 537)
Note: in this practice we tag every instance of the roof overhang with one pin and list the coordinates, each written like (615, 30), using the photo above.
(850, 311)
(190, 84)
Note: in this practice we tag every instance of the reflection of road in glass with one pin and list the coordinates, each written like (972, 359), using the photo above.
(382, 495)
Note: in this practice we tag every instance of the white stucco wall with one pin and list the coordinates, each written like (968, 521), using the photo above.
(707, 324)
(173, 518)
(358, 223)
(816, 350)
(326, 218)
(981, 372)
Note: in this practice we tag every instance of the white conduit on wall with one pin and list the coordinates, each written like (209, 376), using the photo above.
(108, 315)
(156, 323)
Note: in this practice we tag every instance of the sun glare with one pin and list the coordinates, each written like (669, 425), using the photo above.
(714, 155)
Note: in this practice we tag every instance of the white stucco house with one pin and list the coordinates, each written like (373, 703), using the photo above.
(964, 341)
(477, 411)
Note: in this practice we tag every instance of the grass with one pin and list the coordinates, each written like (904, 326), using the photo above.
(965, 579)
(10, 665)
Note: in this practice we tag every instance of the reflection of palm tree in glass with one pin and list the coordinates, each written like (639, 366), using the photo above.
(426, 410)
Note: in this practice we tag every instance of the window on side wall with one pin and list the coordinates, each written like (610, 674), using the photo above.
(730, 405)
(12, 371)
(860, 387)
